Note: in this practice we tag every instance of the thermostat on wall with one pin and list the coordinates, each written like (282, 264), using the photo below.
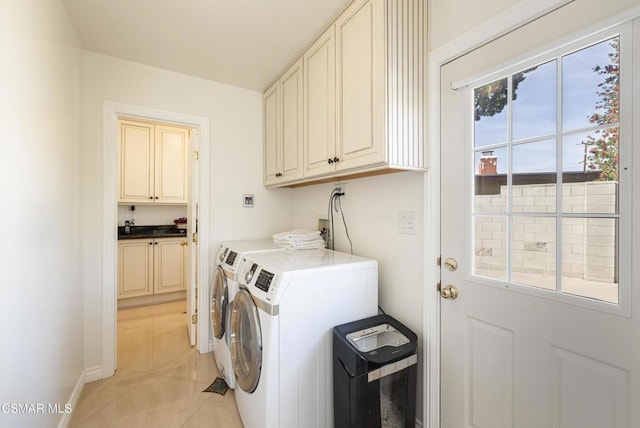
(247, 200)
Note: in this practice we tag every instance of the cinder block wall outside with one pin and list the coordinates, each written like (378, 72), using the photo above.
(588, 244)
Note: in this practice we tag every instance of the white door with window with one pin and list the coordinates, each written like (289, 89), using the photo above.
(540, 314)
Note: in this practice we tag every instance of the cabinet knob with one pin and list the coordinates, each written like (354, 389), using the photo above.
(183, 243)
(150, 197)
(330, 160)
(150, 243)
(336, 160)
(156, 197)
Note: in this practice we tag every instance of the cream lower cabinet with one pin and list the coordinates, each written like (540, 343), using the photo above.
(152, 163)
(169, 265)
(151, 266)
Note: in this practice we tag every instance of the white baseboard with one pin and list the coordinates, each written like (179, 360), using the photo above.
(93, 374)
(73, 400)
(154, 299)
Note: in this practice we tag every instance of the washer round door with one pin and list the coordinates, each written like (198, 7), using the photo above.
(245, 340)
(219, 299)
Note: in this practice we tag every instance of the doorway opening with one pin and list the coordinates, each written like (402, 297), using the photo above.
(195, 236)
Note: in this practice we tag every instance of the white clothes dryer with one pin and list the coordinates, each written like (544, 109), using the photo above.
(281, 322)
(223, 289)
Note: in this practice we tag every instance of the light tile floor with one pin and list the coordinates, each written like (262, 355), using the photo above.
(160, 378)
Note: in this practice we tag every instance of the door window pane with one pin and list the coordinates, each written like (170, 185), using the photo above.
(490, 247)
(590, 172)
(533, 251)
(589, 258)
(590, 85)
(534, 101)
(490, 121)
(490, 186)
(534, 177)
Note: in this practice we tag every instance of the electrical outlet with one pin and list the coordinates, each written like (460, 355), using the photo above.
(342, 188)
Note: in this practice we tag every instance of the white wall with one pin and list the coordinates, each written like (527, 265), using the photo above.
(371, 212)
(41, 306)
(235, 169)
(449, 19)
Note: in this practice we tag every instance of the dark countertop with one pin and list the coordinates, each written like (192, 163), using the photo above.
(146, 232)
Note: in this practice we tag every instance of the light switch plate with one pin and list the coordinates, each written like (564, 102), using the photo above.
(407, 223)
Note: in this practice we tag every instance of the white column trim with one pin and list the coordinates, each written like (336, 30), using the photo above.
(110, 220)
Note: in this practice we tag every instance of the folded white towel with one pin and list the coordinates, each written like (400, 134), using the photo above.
(305, 247)
(299, 234)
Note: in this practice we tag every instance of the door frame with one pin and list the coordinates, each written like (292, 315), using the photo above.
(111, 112)
(509, 20)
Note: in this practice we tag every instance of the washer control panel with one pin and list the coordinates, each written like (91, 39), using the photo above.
(231, 258)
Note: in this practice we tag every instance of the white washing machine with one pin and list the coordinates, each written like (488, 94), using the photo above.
(281, 323)
(223, 289)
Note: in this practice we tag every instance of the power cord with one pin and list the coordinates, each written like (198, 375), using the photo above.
(335, 202)
(346, 229)
(330, 233)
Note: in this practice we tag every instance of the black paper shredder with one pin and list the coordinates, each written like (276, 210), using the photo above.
(374, 374)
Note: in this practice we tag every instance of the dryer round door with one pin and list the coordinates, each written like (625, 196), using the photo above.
(245, 339)
(219, 299)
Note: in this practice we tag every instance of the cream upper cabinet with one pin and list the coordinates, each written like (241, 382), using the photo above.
(363, 107)
(151, 266)
(136, 142)
(152, 163)
(283, 128)
(272, 130)
(320, 105)
(360, 73)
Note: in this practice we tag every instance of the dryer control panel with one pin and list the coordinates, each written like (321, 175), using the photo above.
(264, 280)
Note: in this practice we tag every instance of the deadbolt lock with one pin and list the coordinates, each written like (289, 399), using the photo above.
(451, 264)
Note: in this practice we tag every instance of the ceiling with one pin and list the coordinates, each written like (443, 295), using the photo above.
(246, 43)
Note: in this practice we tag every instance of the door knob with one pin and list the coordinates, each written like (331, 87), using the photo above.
(449, 292)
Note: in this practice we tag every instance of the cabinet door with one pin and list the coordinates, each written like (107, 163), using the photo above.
(271, 126)
(168, 265)
(171, 163)
(320, 105)
(135, 273)
(292, 122)
(135, 162)
(360, 77)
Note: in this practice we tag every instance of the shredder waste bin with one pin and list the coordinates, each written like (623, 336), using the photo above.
(374, 374)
